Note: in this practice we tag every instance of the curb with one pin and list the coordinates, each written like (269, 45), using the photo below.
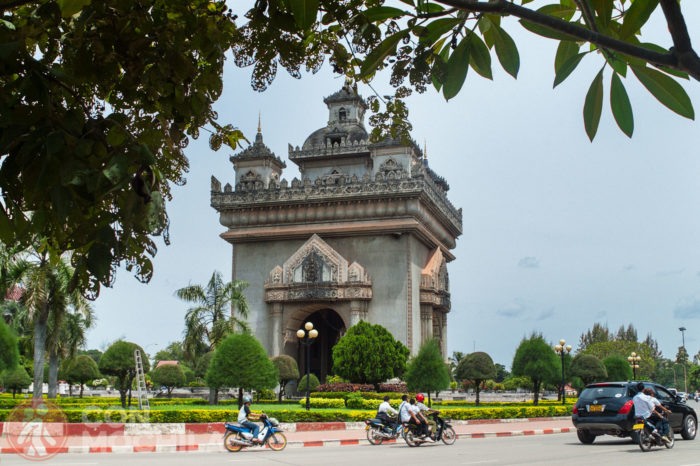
(214, 447)
(98, 429)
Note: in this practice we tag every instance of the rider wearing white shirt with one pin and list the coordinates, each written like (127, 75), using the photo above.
(386, 413)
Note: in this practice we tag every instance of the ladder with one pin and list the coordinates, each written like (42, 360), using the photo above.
(141, 382)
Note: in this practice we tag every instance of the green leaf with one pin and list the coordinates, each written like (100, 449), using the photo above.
(566, 68)
(381, 13)
(376, 57)
(304, 12)
(620, 105)
(435, 29)
(506, 51)
(71, 7)
(565, 50)
(457, 67)
(116, 169)
(558, 11)
(603, 9)
(666, 90)
(116, 136)
(480, 58)
(545, 31)
(6, 230)
(593, 106)
(635, 17)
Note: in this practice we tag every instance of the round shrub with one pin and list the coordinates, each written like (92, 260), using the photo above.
(313, 384)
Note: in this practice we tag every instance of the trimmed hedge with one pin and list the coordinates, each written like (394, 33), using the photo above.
(364, 395)
(323, 403)
(340, 415)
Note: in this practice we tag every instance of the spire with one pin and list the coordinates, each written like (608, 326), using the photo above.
(258, 137)
(425, 150)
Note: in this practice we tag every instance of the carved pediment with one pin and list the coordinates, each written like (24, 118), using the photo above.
(316, 271)
(391, 170)
(434, 274)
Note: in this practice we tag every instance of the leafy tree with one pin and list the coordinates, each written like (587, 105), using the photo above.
(623, 349)
(626, 334)
(694, 378)
(501, 373)
(435, 43)
(618, 368)
(369, 354)
(66, 336)
(598, 334)
(15, 379)
(106, 141)
(188, 373)
(95, 354)
(9, 355)
(453, 361)
(240, 361)
(588, 368)
(119, 361)
(515, 382)
(477, 367)
(534, 358)
(287, 370)
(682, 355)
(200, 369)
(427, 371)
(313, 383)
(169, 376)
(80, 369)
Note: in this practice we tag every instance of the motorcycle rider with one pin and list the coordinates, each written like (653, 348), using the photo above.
(419, 420)
(424, 410)
(656, 418)
(644, 405)
(244, 414)
(386, 413)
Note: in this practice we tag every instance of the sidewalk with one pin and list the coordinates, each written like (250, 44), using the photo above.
(213, 441)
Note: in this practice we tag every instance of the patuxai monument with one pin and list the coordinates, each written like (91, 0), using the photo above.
(366, 233)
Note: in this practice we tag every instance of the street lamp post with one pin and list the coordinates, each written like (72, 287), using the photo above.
(306, 337)
(685, 375)
(562, 350)
(634, 359)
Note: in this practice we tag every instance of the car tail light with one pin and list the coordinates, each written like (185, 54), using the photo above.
(626, 407)
(575, 410)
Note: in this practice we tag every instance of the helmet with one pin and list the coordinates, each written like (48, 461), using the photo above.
(420, 398)
(246, 399)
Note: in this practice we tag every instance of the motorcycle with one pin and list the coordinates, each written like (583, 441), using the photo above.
(443, 431)
(378, 431)
(643, 432)
(238, 436)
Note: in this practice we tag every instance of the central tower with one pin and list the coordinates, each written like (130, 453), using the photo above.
(366, 233)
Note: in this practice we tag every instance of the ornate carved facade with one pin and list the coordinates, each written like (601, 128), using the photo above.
(366, 233)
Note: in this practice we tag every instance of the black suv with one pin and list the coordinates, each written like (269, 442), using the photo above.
(607, 408)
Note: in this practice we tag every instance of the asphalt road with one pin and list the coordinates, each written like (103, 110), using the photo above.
(532, 450)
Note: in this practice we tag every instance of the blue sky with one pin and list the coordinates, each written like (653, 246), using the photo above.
(559, 232)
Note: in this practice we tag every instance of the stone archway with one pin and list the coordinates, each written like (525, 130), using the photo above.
(331, 327)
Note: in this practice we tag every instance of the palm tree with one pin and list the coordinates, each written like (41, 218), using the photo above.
(214, 315)
(66, 336)
(46, 298)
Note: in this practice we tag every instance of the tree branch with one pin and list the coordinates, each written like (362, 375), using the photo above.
(504, 7)
(8, 5)
(682, 48)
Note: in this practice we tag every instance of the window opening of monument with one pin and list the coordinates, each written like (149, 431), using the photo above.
(342, 115)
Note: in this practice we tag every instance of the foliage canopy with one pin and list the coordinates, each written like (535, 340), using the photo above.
(169, 376)
(427, 371)
(119, 361)
(369, 354)
(287, 370)
(588, 368)
(535, 359)
(477, 367)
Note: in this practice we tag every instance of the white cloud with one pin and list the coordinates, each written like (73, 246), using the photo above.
(529, 262)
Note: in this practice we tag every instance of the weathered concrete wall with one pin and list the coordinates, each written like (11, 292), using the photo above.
(388, 259)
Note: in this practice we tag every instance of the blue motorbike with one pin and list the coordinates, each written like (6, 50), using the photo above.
(238, 436)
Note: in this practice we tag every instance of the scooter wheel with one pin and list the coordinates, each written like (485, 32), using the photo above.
(373, 436)
(449, 436)
(229, 445)
(277, 441)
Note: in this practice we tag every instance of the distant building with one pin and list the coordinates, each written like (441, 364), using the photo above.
(366, 233)
(167, 363)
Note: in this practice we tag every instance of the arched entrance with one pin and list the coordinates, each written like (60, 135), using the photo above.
(330, 328)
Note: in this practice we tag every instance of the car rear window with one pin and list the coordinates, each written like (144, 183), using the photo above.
(606, 391)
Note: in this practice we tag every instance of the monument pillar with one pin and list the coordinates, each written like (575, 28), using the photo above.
(426, 322)
(358, 311)
(276, 328)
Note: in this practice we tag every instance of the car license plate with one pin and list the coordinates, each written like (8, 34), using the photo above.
(595, 408)
(638, 427)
